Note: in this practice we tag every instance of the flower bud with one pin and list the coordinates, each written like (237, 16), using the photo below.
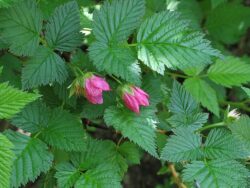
(93, 88)
(133, 97)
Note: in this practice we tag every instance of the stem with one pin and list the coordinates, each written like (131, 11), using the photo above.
(43, 41)
(133, 44)
(119, 141)
(220, 124)
(176, 176)
(176, 75)
(37, 134)
(242, 105)
(116, 79)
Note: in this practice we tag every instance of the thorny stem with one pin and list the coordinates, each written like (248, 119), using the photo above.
(176, 176)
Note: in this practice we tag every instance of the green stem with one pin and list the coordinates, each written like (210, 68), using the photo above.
(176, 75)
(43, 41)
(240, 105)
(119, 142)
(215, 125)
(117, 80)
(133, 44)
(37, 134)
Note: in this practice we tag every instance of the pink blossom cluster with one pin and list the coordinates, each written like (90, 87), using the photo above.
(93, 87)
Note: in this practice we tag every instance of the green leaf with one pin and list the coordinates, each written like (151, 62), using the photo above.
(247, 91)
(44, 68)
(102, 176)
(127, 14)
(98, 153)
(11, 66)
(32, 158)
(193, 120)
(166, 40)
(110, 53)
(228, 22)
(117, 60)
(190, 10)
(56, 127)
(137, 128)
(63, 28)
(6, 161)
(13, 100)
(216, 3)
(181, 102)
(7, 3)
(241, 130)
(221, 144)
(185, 109)
(130, 151)
(219, 173)
(230, 72)
(21, 26)
(184, 145)
(67, 175)
(203, 93)
(97, 164)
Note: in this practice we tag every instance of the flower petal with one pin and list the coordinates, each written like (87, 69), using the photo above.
(91, 89)
(131, 103)
(94, 99)
(139, 90)
(100, 83)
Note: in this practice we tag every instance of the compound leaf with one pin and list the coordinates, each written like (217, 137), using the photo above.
(166, 40)
(13, 100)
(21, 26)
(31, 158)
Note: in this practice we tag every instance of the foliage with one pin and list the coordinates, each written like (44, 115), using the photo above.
(187, 60)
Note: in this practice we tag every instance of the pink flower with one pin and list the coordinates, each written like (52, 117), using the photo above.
(134, 97)
(94, 86)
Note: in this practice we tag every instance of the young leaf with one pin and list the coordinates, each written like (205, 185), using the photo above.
(44, 68)
(21, 26)
(138, 128)
(13, 100)
(221, 144)
(230, 72)
(6, 161)
(56, 127)
(184, 145)
(63, 28)
(31, 158)
(203, 93)
(166, 40)
(219, 173)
